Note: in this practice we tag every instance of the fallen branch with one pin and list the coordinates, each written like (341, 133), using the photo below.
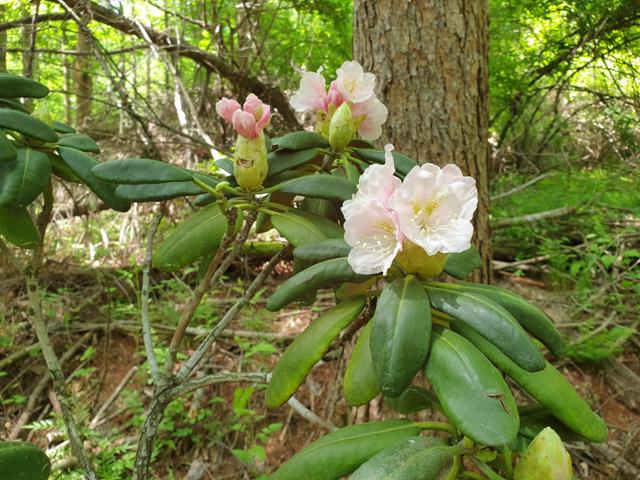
(498, 265)
(519, 188)
(113, 397)
(531, 218)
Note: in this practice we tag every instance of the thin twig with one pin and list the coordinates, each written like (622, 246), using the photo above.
(519, 188)
(113, 397)
(221, 377)
(533, 217)
(308, 415)
(144, 301)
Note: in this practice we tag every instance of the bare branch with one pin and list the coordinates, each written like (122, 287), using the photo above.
(533, 217)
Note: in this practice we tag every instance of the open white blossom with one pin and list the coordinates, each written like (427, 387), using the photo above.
(311, 95)
(435, 207)
(374, 114)
(353, 83)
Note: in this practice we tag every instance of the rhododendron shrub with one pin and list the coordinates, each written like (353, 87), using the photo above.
(392, 240)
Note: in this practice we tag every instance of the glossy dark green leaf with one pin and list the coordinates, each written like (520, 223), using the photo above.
(402, 163)
(61, 170)
(533, 422)
(414, 458)
(301, 228)
(488, 318)
(328, 273)
(339, 453)
(7, 150)
(322, 250)
(460, 265)
(84, 143)
(82, 166)
(302, 140)
(191, 239)
(26, 125)
(548, 387)
(360, 382)
(473, 394)
(17, 86)
(22, 460)
(140, 170)
(225, 164)
(283, 160)
(400, 334)
(61, 127)
(154, 192)
(308, 348)
(328, 187)
(531, 318)
(321, 208)
(12, 104)
(16, 225)
(413, 399)
(23, 179)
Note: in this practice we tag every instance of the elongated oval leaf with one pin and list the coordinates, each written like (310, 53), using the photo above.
(17, 86)
(402, 163)
(82, 166)
(489, 319)
(140, 170)
(414, 458)
(400, 334)
(23, 179)
(191, 239)
(12, 104)
(61, 127)
(460, 265)
(533, 422)
(27, 125)
(16, 225)
(7, 150)
(322, 250)
(360, 382)
(472, 392)
(308, 348)
(301, 228)
(23, 461)
(154, 192)
(283, 160)
(84, 143)
(531, 318)
(330, 272)
(328, 187)
(339, 453)
(300, 141)
(61, 170)
(549, 387)
(413, 399)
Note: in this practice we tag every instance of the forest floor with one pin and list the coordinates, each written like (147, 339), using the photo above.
(225, 432)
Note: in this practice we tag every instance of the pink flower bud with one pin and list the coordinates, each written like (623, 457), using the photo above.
(334, 97)
(226, 107)
(244, 124)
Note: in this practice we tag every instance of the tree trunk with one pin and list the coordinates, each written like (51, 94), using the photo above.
(430, 58)
(83, 78)
(3, 41)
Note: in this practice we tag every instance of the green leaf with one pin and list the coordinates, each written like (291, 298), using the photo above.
(531, 318)
(473, 394)
(414, 458)
(27, 125)
(191, 239)
(330, 272)
(140, 170)
(84, 143)
(339, 453)
(308, 348)
(489, 319)
(322, 250)
(400, 334)
(548, 387)
(360, 382)
(460, 265)
(535, 418)
(23, 179)
(300, 141)
(16, 225)
(12, 104)
(17, 86)
(413, 399)
(22, 460)
(7, 150)
(82, 166)
(328, 187)
(301, 228)
(60, 169)
(61, 127)
(283, 160)
(225, 164)
(154, 192)
(402, 163)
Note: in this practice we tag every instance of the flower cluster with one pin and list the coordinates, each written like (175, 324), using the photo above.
(352, 86)
(428, 213)
(250, 119)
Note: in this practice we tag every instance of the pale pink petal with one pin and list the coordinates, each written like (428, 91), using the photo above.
(334, 97)
(263, 121)
(253, 105)
(226, 108)
(375, 114)
(355, 85)
(244, 124)
(311, 95)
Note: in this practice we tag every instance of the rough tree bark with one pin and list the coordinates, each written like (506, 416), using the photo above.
(83, 78)
(430, 58)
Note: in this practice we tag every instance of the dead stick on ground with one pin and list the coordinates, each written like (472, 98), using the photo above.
(533, 217)
(113, 397)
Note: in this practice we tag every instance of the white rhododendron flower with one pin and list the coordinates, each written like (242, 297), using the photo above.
(354, 86)
(431, 209)
(353, 83)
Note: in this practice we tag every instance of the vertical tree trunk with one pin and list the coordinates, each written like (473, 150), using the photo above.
(83, 78)
(3, 40)
(430, 58)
